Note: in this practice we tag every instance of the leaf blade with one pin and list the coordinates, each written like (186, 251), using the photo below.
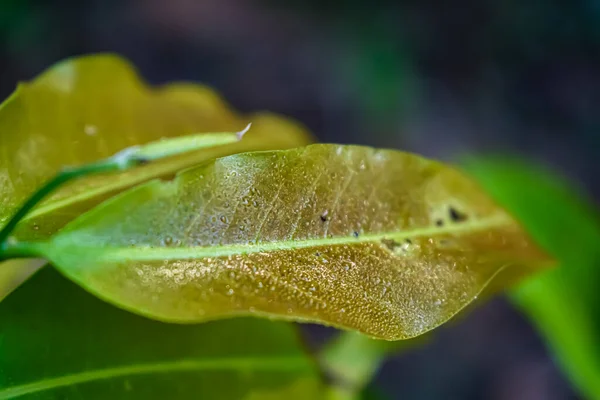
(254, 234)
(83, 348)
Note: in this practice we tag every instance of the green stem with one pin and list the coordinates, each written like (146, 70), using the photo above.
(50, 186)
(352, 360)
(14, 249)
(125, 159)
(119, 162)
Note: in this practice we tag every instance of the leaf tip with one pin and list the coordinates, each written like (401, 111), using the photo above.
(241, 133)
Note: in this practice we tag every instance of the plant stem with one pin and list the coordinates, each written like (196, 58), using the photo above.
(14, 249)
(66, 175)
(123, 160)
(352, 360)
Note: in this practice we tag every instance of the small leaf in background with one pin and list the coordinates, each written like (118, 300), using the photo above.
(88, 108)
(382, 242)
(57, 341)
(563, 302)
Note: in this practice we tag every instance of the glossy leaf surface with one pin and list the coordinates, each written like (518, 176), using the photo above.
(57, 342)
(562, 302)
(88, 108)
(383, 242)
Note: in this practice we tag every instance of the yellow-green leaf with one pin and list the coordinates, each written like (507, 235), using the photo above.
(383, 242)
(85, 109)
(59, 342)
(88, 108)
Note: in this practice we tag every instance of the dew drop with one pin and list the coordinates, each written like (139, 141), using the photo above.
(223, 219)
(260, 285)
(230, 292)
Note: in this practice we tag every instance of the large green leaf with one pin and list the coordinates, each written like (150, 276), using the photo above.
(85, 109)
(383, 242)
(564, 302)
(59, 342)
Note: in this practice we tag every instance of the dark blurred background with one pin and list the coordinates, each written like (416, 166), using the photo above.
(439, 78)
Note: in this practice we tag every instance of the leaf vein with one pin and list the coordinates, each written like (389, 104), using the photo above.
(288, 363)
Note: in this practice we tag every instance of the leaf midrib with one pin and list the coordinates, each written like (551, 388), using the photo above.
(295, 363)
(108, 253)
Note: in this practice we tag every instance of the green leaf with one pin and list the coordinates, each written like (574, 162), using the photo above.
(57, 342)
(382, 242)
(88, 108)
(563, 302)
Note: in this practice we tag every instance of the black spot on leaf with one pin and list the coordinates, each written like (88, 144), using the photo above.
(457, 216)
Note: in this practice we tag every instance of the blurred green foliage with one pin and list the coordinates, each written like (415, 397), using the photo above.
(563, 303)
(57, 341)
